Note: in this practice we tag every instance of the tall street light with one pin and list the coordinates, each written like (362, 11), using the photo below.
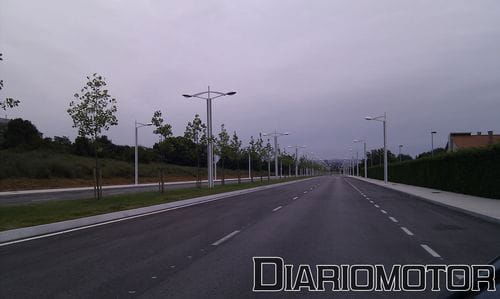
(432, 142)
(137, 126)
(383, 119)
(276, 134)
(364, 154)
(208, 96)
(296, 147)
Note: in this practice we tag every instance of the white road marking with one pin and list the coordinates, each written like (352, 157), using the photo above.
(383, 211)
(227, 237)
(295, 197)
(305, 192)
(153, 277)
(407, 231)
(430, 250)
(368, 198)
(371, 201)
(277, 208)
(393, 219)
(377, 206)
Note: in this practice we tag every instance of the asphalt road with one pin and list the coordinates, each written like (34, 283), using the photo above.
(23, 198)
(206, 251)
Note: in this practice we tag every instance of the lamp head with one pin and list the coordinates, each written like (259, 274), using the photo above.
(231, 93)
(368, 117)
(187, 96)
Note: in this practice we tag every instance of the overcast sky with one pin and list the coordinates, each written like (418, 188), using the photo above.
(312, 68)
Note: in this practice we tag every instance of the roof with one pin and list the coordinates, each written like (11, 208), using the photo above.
(465, 141)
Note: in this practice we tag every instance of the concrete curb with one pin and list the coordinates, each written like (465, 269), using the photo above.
(44, 230)
(454, 207)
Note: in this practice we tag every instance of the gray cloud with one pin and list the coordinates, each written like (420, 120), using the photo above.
(314, 68)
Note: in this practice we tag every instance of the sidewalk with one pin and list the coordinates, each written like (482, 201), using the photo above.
(485, 208)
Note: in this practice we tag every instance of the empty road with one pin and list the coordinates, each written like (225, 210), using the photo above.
(206, 251)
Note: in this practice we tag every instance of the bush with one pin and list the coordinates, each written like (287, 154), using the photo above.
(469, 171)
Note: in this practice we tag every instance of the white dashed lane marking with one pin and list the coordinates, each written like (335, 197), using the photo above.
(393, 219)
(407, 231)
(277, 208)
(227, 237)
(430, 250)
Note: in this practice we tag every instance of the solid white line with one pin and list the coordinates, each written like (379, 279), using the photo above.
(225, 238)
(383, 211)
(393, 219)
(295, 197)
(407, 231)
(377, 206)
(275, 209)
(430, 251)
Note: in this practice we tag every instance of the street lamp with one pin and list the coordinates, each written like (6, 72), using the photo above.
(432, 142)
(364, 154)
(276, 134)
(400, 147)
(137, 126)
(210, 152)
(296, 147)
(383, 119)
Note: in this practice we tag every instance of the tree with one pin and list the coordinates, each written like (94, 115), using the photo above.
(196, 132)
(235, 153)
(8, 103)
(93, 111)
(164, 130)
(223, 149)
(22, 133)
(267, 155)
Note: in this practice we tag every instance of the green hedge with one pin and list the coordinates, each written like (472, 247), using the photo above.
(469, 171)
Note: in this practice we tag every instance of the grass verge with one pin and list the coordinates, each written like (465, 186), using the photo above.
(53, 211)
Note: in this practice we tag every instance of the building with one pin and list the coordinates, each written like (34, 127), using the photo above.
(457, 141)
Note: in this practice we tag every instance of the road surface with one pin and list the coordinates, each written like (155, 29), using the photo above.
(206, 251)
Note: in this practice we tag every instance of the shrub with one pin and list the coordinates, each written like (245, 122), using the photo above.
(470, 171)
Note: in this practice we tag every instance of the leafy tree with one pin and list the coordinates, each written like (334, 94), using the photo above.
(236, 153)
(223, 149)
(196, 132)
(164, 130)
(93, 111)
(8, 102)
(22, 133)
(437, 151)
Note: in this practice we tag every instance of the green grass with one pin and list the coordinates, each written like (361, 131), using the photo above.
(52, 211)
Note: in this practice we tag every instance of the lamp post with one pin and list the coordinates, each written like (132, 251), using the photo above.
(432, 142)
(276, 134)
(208, 96)
(383, 119)
(296, 157)
(364, 155)
(400, 147)
(137, 126)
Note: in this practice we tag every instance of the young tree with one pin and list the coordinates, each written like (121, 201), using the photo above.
(8, 103)
(223, 149)
(93, 111)
(236, 153)
(267, 155)
(252, 151)
(163, 130)
(196, 132)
